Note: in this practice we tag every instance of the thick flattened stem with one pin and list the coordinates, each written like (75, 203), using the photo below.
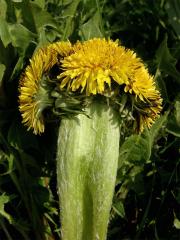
(87, 157)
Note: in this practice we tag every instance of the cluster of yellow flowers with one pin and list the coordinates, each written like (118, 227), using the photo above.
(90, 67)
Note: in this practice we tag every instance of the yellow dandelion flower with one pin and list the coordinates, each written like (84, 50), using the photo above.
(33, 96)
(96, 64)
(142, 85)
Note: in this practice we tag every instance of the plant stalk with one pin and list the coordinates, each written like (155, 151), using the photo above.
(87, 158)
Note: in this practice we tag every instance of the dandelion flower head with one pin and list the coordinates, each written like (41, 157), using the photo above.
(97, 64)
(32, 98)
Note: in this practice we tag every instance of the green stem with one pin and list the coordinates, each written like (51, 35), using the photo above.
(87, 157)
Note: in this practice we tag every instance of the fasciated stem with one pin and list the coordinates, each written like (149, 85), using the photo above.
(87, 157)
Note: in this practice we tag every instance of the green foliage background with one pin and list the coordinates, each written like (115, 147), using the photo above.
(147, 196)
